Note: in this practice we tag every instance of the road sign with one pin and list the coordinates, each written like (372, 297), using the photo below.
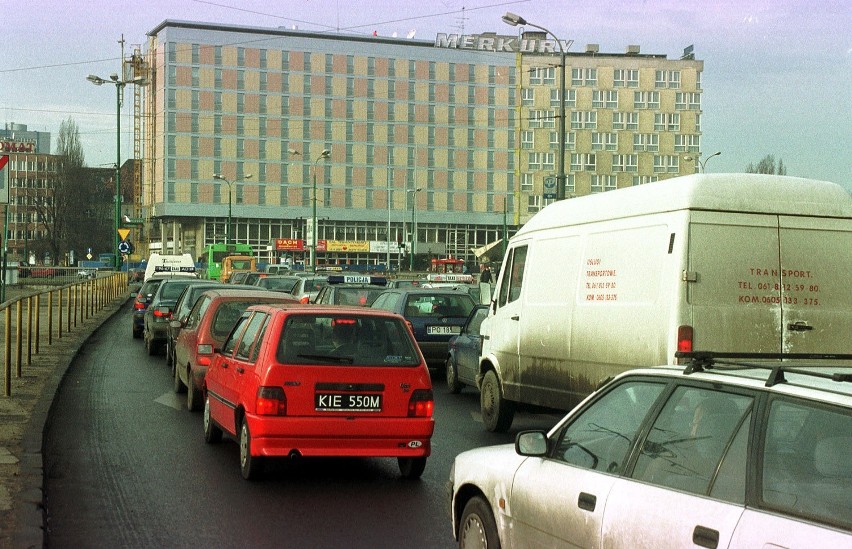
(123, 233)
(550, 187)
(125, 247)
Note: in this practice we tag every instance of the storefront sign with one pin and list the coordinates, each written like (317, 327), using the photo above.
(17, 147)
(347, 246)
(289, 245)
(493, 42)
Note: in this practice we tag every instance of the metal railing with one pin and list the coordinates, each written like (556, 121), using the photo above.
(40, 316)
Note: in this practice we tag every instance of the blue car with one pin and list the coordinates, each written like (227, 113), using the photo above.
(463, 357)
(435, 315)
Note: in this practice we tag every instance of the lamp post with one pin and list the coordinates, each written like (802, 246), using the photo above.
(702, 163)
(223, 178)
(413, 226)
(119, 89)
(324, 155)
(515, 20)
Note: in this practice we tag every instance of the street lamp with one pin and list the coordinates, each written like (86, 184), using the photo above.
(119, 88)
(413, 226)
(702, 163)
(223, 178)
(324, 155)
(515, 20)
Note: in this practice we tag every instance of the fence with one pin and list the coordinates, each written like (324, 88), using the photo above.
(37, 318)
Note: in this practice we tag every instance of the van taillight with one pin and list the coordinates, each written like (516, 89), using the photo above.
(271, 401)
(421, 403)
(684, 339)
(305, 299)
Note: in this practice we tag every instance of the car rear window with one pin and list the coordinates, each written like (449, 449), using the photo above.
(363, 297)
(438, 305)
(346, 340)
(226, 316)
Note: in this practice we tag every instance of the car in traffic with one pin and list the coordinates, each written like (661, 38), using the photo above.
(278, 283)
(252, 278)
(307, 287)
(435, 315)
(724, 451)
(305, 381)
(237, 277)
(155, 325)
(142, 300)
(359, 290)
(462, 365)
(204, 329)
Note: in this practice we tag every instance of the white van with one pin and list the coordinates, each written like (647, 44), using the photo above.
(182, 265)
(596, 285)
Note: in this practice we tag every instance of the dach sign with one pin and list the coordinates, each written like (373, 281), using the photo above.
(493, 42)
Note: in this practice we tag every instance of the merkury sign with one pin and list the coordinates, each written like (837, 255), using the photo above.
(496, 43)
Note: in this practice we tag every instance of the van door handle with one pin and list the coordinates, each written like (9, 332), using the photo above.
(799, 327)
(587, 502)
(515, 317)
(705, 537)
(240, 370)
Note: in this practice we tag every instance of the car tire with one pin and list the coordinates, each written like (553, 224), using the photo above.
(497, 412)
(478, 527)
(212, 433)
(411, 467)
(137, 332)
(193, 395)
(251, 467)
(178, 385)
(454, 386)
(150, 346)
(169, 356)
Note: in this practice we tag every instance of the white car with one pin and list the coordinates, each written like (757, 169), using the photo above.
(721, 453)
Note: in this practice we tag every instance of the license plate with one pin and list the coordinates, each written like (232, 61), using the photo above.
(443, 330)
(344, 402)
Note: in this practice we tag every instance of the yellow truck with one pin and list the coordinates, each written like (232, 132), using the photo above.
(236, 264)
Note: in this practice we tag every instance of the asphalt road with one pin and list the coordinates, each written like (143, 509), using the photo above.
(126, 466)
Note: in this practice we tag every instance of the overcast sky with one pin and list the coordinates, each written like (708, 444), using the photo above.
(777, 73)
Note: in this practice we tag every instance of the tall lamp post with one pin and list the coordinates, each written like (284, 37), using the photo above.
(413, 226)
(515, 20)
(119, 89)
(324, 155)
(703, 163)
(221, 177)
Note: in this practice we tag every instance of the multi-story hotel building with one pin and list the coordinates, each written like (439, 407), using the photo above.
(450, 140)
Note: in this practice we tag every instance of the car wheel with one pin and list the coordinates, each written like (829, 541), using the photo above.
(193, 395)
(478, 528)
(178, 386)
(169, 356)
(250, 466)
(411, 467)
(212, 433)
(497, 412)
(150, 346)
(453, 384)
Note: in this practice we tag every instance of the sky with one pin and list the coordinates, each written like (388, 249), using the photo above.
(777, 73)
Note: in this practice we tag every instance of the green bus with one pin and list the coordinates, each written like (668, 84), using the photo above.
(211, 261)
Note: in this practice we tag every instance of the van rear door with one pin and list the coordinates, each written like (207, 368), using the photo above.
(768, 284)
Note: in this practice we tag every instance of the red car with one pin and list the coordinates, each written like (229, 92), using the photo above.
(297, 380)
(205, 328)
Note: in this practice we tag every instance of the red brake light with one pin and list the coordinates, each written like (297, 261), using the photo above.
(336, 321)
(421, 404)
(684, 339)
(139, 305)
(305, 299)
(162, 312)
(271, 401)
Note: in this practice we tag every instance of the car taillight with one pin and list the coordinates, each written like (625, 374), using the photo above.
(421, 404)
(305, 299)
(271, 401)
(139, 305)
(162, 312)
(684, 338)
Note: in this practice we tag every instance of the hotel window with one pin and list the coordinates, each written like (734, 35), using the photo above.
(261, 148)
(533, 203)
(264, 78)
(261, 104)
(526, 182)
(195, 77)
(195, 54)
(195, 100)
(217, 55)
(261, 126)
(527, 97)
(646, 142)
(697, 80)
(570, 98)
(618, 121)
(604, 141)
(217, 124)
(172, 75)
(541, 119)
(193, 169)
(285, 105)
(241, 80)
(584, 77)
(543, 75)
(625, 163)
(584, 120)
(570, 140)
(263, 59)
(667, 79)
(625, 78)
(241, 125)
(688, 101)
(687, 143)
(172, 51)
(241, 57)
(172, 99)
(391, 89)
(196, 127)
(603, 183)
(307, 57)
(540, 161)
(697, 122)
(583, 162)
(193, 145)
(643, 179)
(666, 122)
(285, 60)
(632, 120)
(241, 102)
(666, 163)
(605, 98)
(646, 100)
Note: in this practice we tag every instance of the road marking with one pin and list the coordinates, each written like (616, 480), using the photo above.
(171, 400)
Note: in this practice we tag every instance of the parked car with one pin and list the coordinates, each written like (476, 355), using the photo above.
(278, 283)
(205, 327)
(360, 290)
(363, 388)
(307, 287)
(463, 357)
(434, 315)
(725, 452)
(42, 272)
(155, 327)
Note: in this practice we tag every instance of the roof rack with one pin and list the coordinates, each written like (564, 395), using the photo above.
(700, 361)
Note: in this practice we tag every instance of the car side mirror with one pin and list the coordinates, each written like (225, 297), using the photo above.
(176, 324)
(531, 443)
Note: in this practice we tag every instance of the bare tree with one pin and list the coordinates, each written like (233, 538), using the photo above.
(767, 165)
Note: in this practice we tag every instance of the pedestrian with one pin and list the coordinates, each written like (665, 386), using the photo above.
(484, 273)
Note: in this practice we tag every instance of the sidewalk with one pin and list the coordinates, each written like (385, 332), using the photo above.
(22, 422)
